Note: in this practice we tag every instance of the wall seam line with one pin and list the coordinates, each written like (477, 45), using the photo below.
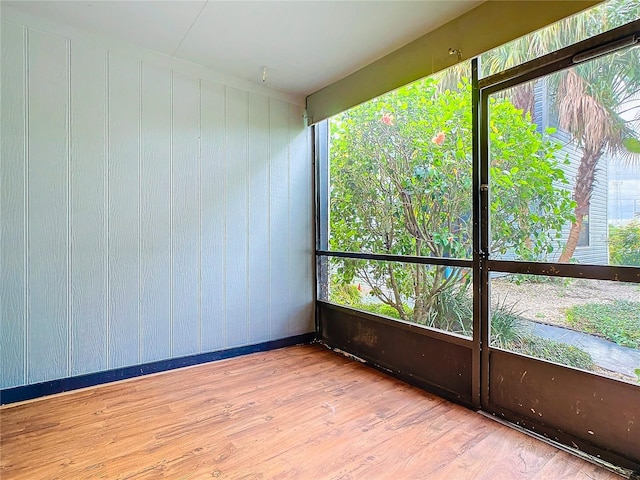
(140, 211)
(200, 215)
(69, 217)
(171, 319)
(289, 315)
(269, 269)
(26, 208)
(224, 200)
(107, 200)
(247, 225)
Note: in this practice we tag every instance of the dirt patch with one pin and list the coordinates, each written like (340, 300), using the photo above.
(547, 302)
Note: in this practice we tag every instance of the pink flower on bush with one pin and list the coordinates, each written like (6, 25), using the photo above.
(438, 139)
(387, 119)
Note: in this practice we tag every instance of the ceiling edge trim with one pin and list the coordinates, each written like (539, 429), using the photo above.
(487, 26)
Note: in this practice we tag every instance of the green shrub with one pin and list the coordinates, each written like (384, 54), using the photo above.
(453, 312)
(506, 329)
(618, 321)
(507, 332)
(383, 309)
(345, 294)
(350, 295)
(553, 351)
(624, 244)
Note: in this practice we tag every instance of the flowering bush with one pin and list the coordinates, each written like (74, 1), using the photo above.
(400, 169)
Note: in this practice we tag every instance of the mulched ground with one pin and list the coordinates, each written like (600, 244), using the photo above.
(546, 302)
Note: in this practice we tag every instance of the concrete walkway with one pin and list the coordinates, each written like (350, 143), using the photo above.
(605, 354)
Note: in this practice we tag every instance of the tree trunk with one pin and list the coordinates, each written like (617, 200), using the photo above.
(523, 99)
(418, 306)
(582, 191)
(397, 298)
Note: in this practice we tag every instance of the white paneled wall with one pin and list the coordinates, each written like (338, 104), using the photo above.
(146, 213)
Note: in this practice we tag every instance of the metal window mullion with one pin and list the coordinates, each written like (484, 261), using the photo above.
(476, 375)
(382, 257)
(482, 193)
(568, 270)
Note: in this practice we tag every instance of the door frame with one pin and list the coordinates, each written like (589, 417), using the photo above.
(561, 403)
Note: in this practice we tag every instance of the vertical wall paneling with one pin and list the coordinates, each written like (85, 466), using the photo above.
(13, 206)
(155, 204)
(237, 122)
(124, 198)
(279, 218)
(145, 213)
(300, 227)
(48, 206)
(88, 133)
(212, 184)
(258, 260)
(186, 215)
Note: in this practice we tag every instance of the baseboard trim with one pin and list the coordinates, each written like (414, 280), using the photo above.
(37, 390)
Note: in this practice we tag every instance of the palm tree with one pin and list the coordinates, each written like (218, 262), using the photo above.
(593, 101)
(597, 103)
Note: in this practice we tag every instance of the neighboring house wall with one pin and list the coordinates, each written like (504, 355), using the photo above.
(146, 213)
(624, 191)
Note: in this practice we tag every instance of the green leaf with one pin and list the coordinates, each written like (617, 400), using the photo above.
(632, 144)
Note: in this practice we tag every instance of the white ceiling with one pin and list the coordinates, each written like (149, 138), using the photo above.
(305, 45)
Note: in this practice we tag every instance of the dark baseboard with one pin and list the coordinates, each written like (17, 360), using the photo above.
(36, 390)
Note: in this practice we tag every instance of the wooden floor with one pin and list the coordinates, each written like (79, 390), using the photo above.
(302, 412)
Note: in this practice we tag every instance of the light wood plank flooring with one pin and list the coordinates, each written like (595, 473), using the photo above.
(301, 413)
